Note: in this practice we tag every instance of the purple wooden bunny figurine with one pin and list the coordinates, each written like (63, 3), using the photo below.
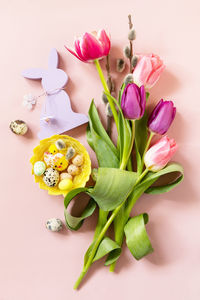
(57, 115)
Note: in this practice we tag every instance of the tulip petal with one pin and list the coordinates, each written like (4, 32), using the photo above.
(105, 41)
(90, 47)
(143, 100)
(73, 52)
(160, 154)
(162, 116)
(142, 71)
(154, 77)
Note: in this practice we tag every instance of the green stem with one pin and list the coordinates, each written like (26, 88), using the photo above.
(101, 236)
(131, 202)
(106, 89)
(145, 150)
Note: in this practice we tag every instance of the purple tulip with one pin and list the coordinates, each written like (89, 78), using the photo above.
(162, 117)
(133, 101)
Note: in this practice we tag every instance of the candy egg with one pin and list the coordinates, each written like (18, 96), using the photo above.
(19, 127)
(65, 184)
(51, 177)
(70, 153)
(48, 158)
(65, 175)
(39, 168)
(53, 149)
(78, 160)
(73, 170)
(54, 224)
(60, 144)
(60, 163)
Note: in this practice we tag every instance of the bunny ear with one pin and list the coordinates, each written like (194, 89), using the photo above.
(53, 59)
(33, 73)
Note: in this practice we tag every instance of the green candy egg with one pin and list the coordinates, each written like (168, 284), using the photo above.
(39, 168)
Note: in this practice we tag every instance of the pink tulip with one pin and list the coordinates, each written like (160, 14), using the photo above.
(91, 46)
(148, 70)
(160, 154)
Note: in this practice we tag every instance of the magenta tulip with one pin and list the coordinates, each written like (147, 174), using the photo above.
(91, 46)
(162, 117)
(160, 154)
(148, 70)
(133, 101)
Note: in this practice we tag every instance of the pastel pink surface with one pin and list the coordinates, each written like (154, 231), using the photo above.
(38, 264)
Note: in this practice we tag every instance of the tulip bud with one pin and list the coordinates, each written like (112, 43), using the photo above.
(134, 61)
(133, 101)
(157, 157)
(127, 52)
(162, 117)
(128, 79)
(132, 35)
(108, 110)
(148, 70)
(120, 65)
(104, 98)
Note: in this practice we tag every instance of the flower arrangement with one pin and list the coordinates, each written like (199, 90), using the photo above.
(132, 166)
(118, 186)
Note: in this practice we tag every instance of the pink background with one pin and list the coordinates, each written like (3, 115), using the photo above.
(38, 264)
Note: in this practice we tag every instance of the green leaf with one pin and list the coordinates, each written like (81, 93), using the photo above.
(105, 156)
(136, 236)
(121, 92)
(74, 223)
(170, 168)
(151, 177)
(96, 125)
(112, 187)
(126, 135)
(89, 137)
(107, 246)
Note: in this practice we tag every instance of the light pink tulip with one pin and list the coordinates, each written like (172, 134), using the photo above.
(91, 46)
(148, 70)
(160, 154)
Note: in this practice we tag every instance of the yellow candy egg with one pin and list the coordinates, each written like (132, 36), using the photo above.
(65, 184)
(53, 149)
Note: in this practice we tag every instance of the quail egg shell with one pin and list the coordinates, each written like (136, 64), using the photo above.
(54, 224)
(51, 177)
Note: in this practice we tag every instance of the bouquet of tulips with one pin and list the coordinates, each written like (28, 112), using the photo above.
(118, 185)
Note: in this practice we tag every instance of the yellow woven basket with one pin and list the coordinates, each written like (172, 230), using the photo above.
(79, 180)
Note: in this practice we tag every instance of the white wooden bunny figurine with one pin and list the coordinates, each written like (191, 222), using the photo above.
(57, 115)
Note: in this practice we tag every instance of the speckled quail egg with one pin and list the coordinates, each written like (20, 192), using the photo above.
(78, 160)
(51, 177)
(73, 170)
(54, 224)
(65, 175)
(19, 127)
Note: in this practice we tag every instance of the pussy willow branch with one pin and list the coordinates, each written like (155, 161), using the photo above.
(131, 43)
